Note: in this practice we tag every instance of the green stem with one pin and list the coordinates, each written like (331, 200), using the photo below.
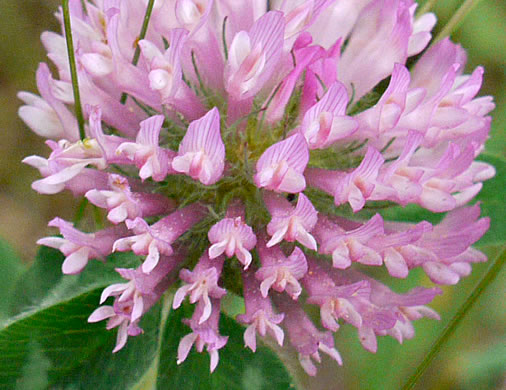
(456, 19)
(197, 73)
(426, 7)
(142, 35)
(73, 68)
(389, 143)
(486, 281)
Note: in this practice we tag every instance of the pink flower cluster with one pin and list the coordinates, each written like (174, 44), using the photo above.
(256, 127)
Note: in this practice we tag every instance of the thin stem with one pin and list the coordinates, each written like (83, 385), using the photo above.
(261, 124)
(351, 103)
(83, 6)
(73, 68)
(360, 145)
(294, 59)
(197, 73)
(389, 143)
(142, 35)
(486, 281)
(321, 83)
(427, 7)
(247, 116)
(224, 37)
(456, 19)
(144, 30)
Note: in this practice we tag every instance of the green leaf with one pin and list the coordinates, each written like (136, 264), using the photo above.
(45, 284)
(51, 344)
(124, 369)
(41, 277)
(10, 269)
(238, 368)
(56, 346)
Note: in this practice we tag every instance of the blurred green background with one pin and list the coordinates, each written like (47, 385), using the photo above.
(475, 358)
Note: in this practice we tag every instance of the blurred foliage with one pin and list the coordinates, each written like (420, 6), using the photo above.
(475, 357)
(10, 270)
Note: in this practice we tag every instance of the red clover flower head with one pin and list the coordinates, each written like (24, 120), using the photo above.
(245, 139)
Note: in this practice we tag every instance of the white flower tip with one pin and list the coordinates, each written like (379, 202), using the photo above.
(75, 262)
(214, 360)
(101, 313)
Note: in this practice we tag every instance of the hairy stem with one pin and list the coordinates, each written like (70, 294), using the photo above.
(73, 68)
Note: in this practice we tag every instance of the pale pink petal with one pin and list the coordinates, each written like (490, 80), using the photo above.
(325, 122)
(201, 153)
(118, 214)
(281, 166)
(250, 337)
(279, 335)
(180, 295)
(75, 262)
(113, 289)
(150, 130)
(232, 236)
(52, 242)
(267, 284)
(214, 359)
(441, 273)
(278, 236)
(185, 345)
(149, 50)
(206, 313)
(307, 365)
(122, 337)
(357, 186)
(291, 224)
(421, 33)
(368, 339)
(340, 260)
(395, 263)
(138, 308)
(380, 39)
(96, 64)
(254, 55)
(101, 313)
